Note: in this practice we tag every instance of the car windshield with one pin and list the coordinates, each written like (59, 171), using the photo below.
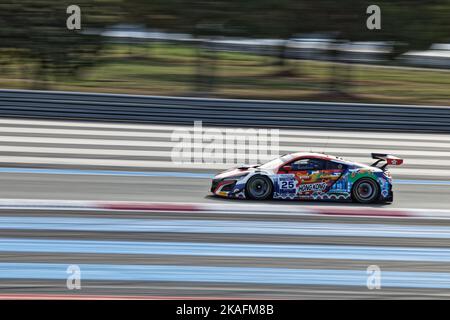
(276, 162)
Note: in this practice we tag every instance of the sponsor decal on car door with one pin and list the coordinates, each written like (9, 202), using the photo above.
(308, 178)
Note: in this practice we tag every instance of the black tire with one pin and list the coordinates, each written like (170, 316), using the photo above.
(365, 191)
(259, 188)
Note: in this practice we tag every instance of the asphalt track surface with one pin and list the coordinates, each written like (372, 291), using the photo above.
(183, 261)
(273, 263)
(173, 189)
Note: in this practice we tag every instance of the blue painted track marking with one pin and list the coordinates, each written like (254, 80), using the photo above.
(340, 252)
(196, 175)
(328, 277)
(223, 227)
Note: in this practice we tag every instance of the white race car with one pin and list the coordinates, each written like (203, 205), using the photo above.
(309, 176)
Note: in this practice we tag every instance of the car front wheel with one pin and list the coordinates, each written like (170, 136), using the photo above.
(259, 188)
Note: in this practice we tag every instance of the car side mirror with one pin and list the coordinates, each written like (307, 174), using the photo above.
(286, 168)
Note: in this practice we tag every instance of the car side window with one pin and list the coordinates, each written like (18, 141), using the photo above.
(331, 165)
(307, 165)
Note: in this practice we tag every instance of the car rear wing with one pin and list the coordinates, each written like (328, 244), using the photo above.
(388, 158)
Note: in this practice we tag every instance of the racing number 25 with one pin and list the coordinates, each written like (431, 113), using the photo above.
(287, 185)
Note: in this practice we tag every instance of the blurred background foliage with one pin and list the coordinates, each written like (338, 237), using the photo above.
(38, 51)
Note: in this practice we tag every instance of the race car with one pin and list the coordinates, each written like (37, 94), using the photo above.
(310, 176)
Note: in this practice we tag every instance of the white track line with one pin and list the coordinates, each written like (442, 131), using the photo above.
(287, 132)
(155, 153)
(326, 140)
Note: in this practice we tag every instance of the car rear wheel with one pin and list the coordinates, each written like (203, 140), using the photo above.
(259, 188)
(365, 191)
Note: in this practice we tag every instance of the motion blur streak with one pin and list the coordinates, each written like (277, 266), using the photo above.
(272, 276)
(164, 174)
(228, 250)
(139, 167)
(222, 226)
(57, 144)
(236, 251)
(237, 257)
(103, 179)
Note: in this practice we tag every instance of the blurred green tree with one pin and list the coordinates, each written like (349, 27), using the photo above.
(36, 31)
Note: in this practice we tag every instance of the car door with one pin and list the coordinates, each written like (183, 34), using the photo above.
(308, 173)
(333, 171)
(302, 177)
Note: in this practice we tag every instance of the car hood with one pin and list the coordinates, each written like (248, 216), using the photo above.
(237, 171)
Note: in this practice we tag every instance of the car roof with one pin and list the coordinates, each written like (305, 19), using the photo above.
(326, 157)
(315, 155)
